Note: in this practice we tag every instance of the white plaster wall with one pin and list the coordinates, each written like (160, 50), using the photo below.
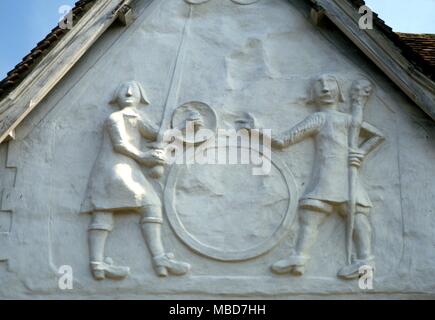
(257, 58)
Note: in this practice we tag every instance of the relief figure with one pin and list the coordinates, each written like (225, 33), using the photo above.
(328, 191)
(119, 183)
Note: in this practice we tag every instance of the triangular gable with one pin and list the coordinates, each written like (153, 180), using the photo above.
(74, 44)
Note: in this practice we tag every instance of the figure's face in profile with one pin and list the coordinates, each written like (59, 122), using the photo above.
(196, 118)
(326, 91)
(128, 95)
(361, 91)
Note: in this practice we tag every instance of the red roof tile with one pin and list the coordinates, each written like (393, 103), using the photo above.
(418, 49)
(421, 44)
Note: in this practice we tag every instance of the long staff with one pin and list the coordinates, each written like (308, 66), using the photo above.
(173, 92)
(354, 132)
(174, 84)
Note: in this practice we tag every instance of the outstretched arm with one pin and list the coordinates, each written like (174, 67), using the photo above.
(375, 138)
(302, 130)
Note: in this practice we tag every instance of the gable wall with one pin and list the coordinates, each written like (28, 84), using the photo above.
(259, 59)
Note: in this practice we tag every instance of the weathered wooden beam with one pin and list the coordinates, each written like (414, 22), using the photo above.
(317, 16)
(55, 65)
(418, 87)
(126, 15)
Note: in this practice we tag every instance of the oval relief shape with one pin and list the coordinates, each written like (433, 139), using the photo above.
(226, 213)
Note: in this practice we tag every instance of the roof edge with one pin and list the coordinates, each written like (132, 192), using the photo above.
(382, 51)
(15, 76)
(422, 35)
(376, 44)
(56, 64)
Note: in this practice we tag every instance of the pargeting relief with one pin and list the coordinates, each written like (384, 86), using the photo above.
(130, 158)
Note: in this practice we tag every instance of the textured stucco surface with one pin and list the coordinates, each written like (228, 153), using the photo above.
(259, 59)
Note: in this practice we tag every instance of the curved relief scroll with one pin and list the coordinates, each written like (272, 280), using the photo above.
(245, 2)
